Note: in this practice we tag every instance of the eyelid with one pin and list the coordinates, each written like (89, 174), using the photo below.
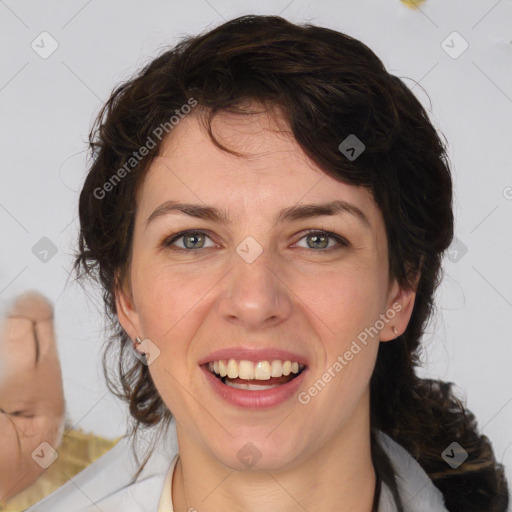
(18, 413)
(168, 241)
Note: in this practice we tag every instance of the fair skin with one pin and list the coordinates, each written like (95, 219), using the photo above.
(293, 296)
(31, 393)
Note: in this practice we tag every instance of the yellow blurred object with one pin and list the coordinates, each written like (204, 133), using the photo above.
(76, 452)
(412, 3)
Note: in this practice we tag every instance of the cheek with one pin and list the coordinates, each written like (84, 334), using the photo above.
(345, 302)
(8, 446)
(171, 308)
(167, 302)
(346, 306)
(16, 465)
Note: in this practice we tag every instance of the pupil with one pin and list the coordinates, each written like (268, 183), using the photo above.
(317, 237)
(190, 246)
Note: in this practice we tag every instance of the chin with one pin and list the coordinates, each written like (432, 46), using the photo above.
(253, 453)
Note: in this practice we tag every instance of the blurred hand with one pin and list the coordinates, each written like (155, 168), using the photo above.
(31, 393)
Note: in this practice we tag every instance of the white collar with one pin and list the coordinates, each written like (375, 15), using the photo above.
(106, 483)
(165, 503)
(414, 486)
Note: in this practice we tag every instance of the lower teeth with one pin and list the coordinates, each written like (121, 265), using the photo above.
(250, 387)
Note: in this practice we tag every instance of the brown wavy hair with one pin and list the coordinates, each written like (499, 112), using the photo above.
(328, 85)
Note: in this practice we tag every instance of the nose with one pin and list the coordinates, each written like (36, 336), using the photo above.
(254, 295)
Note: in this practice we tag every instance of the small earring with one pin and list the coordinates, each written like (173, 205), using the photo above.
(395, 330)
(138, 340)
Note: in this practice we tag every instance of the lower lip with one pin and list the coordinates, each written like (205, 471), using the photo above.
(264, 399)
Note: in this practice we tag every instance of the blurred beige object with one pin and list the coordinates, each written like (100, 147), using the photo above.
(31, 393)
(412, 3)
(76, 452)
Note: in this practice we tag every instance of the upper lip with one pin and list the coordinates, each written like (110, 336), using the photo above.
(253, 354)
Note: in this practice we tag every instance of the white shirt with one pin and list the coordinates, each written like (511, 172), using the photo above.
(165, 503)
(106, 483)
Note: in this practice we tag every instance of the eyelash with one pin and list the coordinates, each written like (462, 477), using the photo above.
(167, 243)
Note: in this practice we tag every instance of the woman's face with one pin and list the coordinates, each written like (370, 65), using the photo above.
(255, 283)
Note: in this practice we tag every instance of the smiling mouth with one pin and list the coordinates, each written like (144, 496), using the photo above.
(254, 376)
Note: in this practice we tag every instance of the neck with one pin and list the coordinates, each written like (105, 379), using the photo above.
(338, 477)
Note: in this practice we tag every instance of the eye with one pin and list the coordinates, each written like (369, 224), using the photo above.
(320, 240)
(195, 239)
(17, 414)
(192, 240)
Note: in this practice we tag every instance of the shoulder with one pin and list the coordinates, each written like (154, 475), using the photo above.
(415, 487)
(108, 483)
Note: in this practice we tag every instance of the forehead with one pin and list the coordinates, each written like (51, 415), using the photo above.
(274, 172)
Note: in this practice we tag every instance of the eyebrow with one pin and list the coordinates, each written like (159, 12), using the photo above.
(296, 212)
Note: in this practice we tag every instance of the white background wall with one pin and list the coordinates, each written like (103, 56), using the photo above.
(47, 107)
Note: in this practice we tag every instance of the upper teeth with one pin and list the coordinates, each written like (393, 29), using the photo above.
(262, 370)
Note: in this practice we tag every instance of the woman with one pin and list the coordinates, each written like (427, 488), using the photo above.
(267, 210)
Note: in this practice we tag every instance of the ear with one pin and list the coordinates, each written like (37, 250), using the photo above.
(398, 312)
(128, 315)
